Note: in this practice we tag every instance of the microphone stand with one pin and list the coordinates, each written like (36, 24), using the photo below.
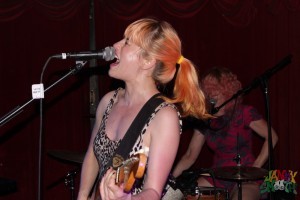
(14, 112)
(18, 109)
(263, 81)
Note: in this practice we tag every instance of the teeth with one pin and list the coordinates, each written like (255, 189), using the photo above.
(117, 59)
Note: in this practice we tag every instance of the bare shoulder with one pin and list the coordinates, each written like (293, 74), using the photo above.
(167, 118)
(104, 102)
(105, 99)
(168, 111)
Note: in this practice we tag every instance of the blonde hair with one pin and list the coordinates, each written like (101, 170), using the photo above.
(159, 40)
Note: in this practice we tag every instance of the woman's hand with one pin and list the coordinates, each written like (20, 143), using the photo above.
(109, 190)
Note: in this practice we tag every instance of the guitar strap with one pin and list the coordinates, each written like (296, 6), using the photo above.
(123, 150)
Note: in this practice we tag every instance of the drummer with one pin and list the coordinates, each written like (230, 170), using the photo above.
(229, 134)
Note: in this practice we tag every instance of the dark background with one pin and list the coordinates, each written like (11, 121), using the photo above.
(247, 36)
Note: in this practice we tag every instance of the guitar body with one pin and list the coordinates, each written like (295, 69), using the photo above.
(133, 168)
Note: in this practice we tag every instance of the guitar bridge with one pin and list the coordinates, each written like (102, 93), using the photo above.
(124, 170)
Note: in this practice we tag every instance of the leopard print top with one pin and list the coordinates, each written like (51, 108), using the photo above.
(104, 148)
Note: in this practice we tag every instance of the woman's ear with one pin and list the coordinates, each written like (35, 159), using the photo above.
(149, 63)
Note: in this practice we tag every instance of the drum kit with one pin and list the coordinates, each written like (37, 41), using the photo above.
(189, 189)
(187, 183)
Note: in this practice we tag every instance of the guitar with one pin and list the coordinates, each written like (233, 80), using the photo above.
(131, 169)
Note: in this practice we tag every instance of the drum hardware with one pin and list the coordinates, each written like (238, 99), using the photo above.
(189, 178)
(74, 158)
(69, 182)
(62, 155)
(240, 174)
(172, 190)
(206, 193)
(187, 181)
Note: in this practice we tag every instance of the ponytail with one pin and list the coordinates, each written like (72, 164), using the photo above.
(187, 92)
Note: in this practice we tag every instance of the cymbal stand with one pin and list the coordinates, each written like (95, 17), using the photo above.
(239, 182)
(69, 181)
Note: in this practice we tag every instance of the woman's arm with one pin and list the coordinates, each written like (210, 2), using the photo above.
(90, 167)
(191, 154)
(261, 128)
(165, 137)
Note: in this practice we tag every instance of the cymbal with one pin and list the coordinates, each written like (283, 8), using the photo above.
(67, 156)
(240, 173)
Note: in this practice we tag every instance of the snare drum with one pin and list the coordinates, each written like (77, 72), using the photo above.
(206, 193)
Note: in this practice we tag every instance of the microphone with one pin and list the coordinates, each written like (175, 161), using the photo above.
(213, 109)
(107, 54)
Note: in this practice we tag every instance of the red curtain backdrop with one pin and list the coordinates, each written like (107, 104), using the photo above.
(247, 36)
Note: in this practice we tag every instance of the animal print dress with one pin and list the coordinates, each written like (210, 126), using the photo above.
(104, 148)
